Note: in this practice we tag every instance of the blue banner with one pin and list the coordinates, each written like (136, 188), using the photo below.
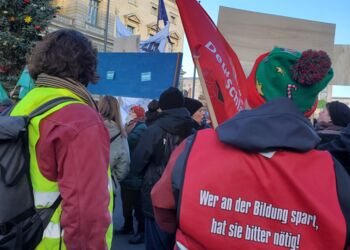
(141, 75)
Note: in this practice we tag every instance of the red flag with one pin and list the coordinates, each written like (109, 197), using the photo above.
(221, 73)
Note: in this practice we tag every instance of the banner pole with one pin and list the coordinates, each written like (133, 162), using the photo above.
(194, 81)
(213, 119)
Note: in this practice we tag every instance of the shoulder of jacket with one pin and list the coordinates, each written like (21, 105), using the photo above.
(77, 116)
(141, 126)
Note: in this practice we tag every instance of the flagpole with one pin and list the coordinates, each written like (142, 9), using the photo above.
(194, 80)
(106, 28)
(194, 74)
(158, 16)
(213, 119)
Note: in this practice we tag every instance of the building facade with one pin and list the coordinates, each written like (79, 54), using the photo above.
(191, 90)
(139, 16)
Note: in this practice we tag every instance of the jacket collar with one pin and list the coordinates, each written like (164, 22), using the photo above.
(276, 125)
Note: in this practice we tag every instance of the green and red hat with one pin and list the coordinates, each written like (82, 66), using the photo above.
(285, 72)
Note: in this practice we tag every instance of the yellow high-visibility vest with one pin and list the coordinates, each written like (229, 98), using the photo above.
(45, 191)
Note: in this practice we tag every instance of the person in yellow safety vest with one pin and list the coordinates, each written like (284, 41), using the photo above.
(69, 144)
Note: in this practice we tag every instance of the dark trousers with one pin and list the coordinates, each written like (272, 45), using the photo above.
(156, 238)
(132, 201)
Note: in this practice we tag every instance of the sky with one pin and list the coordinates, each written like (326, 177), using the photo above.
(336, 12)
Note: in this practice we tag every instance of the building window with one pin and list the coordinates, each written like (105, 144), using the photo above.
(130, 28)
(173, 19)
(133, 2)
(132, 23)
(93, 9)
(154, 10)
(174, 41)
(152, 29)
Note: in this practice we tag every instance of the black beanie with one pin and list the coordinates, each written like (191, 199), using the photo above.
(153, 105)
(192, 105)
(339, 113)
(171, 98)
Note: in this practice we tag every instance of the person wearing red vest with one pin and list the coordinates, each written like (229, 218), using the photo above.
(257, 182)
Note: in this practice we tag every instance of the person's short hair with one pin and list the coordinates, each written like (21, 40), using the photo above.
(153, 105)
(65, 53)
(339, 113)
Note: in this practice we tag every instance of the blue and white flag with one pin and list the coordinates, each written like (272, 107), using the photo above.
(122, 31)
(157, 42)
(162, 15)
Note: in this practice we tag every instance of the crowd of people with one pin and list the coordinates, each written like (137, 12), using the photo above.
(264, 179)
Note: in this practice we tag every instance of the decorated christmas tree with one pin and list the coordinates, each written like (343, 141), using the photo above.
(22, 23)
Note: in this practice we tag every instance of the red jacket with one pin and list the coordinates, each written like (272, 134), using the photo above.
(73, 150)
(298, 200)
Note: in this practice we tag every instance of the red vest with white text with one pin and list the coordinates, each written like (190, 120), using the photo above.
(236, 200)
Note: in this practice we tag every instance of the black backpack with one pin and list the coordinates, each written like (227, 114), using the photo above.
(170, 142)
(21, 224)
(152, 174)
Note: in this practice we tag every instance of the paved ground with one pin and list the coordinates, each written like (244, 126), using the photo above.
(120, 242)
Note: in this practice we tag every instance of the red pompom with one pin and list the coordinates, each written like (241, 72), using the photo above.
(37, 27)
(26, 1)
(311, 67)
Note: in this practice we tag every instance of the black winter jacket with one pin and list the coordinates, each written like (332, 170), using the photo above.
(339, 147)
(149, 156)
(131, 181)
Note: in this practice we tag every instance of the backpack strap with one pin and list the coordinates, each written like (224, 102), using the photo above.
(49, 105)
(6, 227)
(115, 137)
(170, 142)
(51, 209)
(178, 175)
(7, 111)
